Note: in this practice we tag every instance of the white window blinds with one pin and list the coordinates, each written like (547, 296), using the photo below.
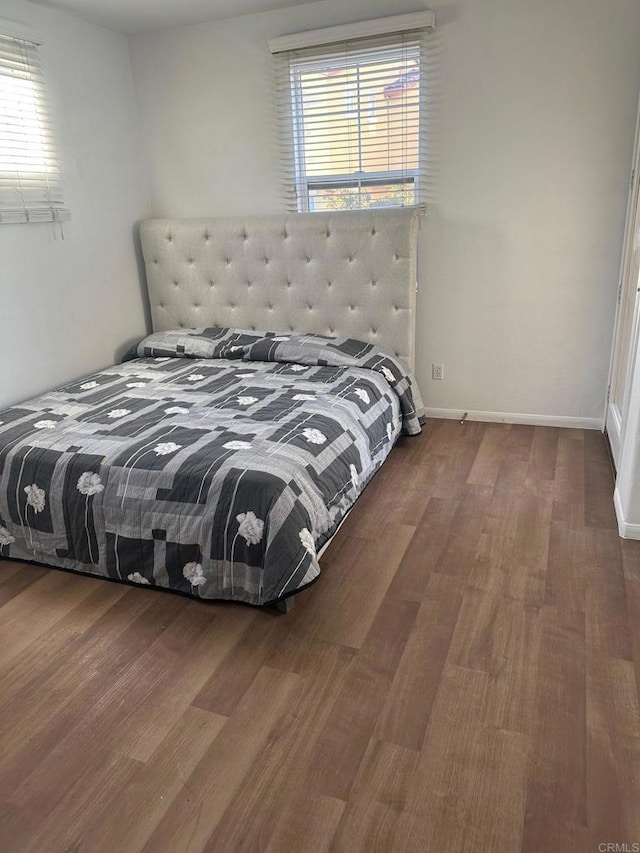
(30, 186)
(354, 123)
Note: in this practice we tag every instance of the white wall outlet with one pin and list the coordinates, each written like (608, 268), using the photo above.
(437, 371)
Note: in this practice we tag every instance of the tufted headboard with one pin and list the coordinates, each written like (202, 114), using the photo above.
(345, 273)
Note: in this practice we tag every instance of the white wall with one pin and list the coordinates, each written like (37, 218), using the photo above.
(68, 307)
(520, 258)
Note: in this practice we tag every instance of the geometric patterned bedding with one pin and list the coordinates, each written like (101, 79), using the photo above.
(214, 462)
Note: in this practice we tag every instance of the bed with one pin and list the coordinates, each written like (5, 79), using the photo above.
(222, 455)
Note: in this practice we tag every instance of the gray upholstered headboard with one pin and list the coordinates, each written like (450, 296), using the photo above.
(345, 273)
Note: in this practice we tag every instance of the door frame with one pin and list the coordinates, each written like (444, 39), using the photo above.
(615, 417)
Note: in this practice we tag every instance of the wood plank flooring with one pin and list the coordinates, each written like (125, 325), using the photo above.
(463, 677)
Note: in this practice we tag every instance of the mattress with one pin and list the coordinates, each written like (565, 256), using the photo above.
(213, 462)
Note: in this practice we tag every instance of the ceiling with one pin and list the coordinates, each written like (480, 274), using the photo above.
(134, 16)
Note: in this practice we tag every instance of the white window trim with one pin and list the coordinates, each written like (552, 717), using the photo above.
(297, 186)
(425, 20)
(18, 30)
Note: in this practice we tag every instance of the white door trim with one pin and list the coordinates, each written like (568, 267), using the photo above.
(614, 432)
(614, 418)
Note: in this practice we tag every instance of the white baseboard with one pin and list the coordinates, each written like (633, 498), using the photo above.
(625, 529)
(516, 418)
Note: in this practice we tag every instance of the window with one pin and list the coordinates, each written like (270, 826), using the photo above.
(354, 123)
(30, 187)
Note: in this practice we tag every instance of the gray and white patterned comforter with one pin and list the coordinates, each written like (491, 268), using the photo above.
(214, 462)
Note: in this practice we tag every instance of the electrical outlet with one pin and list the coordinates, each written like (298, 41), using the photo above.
(437, 371)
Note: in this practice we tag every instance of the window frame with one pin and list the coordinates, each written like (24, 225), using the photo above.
(297, 55)
(30, 183)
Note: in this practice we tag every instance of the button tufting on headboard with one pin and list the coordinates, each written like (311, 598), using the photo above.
(345, 273)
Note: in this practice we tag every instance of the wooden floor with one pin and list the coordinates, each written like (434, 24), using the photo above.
(463, 677)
